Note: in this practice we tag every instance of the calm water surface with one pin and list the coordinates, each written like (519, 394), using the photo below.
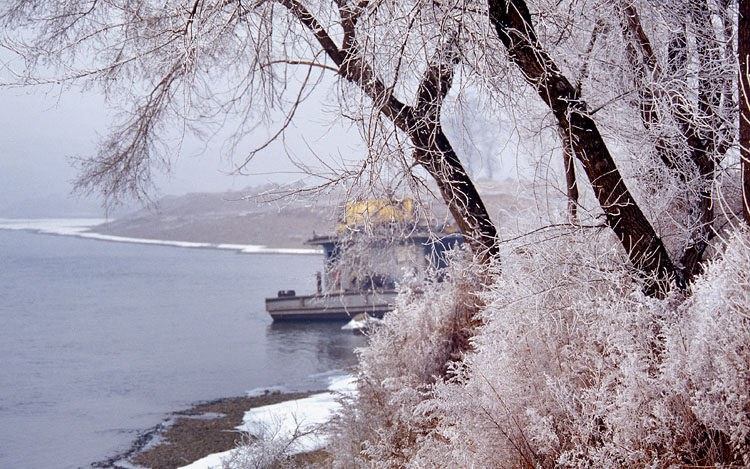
(100, 340)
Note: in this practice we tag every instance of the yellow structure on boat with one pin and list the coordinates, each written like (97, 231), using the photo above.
(377, 211)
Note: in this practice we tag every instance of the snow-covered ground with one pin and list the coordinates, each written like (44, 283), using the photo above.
(81, 227)
(281, 422)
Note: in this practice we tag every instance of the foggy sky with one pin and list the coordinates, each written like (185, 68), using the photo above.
(41, 128)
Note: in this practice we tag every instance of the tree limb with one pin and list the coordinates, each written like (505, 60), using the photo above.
(421, 123)
(512, 22)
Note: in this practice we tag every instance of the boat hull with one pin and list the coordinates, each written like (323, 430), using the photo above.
(332, 306)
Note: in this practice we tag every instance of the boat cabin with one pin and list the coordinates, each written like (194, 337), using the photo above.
(376, 245)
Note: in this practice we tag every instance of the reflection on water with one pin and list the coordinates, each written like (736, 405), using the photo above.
(324, 342)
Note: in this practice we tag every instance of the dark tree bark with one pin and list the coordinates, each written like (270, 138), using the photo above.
(743, 42)
(512, 22)
(570, 176)
(420, 122)
(701, 143)
(435, 153)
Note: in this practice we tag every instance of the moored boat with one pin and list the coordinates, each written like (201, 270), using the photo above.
(360, 272)
(331, 306)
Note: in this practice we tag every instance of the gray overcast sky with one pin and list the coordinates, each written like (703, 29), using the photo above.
(41, 128)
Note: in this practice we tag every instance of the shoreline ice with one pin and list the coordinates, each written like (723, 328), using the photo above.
(80, 227)
(279, 422)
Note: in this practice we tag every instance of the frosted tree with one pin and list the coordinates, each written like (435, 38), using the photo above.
(574, 366)
(179, 62)
(682, 93)
(579, 352)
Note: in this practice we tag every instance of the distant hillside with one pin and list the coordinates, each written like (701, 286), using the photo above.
(60, 205)
(249, 217)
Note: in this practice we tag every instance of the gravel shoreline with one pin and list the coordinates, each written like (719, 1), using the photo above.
(192, 434)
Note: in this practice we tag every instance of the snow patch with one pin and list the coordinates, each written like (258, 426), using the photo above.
(58, 226)
(291, 421)
(361, 322)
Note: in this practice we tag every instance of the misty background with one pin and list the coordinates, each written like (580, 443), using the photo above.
(44, 128)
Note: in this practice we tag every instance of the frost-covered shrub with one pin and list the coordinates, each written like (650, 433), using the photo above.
(258, 453)
(564, 369)
(708, 359)
(572, 366)
(577, 368)
(427, 330)
(269, 447)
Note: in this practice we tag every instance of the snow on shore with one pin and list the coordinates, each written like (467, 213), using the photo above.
(81, 227)
(58, 226)
(279, 422)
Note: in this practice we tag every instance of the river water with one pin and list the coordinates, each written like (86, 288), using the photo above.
(101, 340)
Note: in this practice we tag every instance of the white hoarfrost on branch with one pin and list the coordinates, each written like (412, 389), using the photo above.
(708, 349)
(407, 353)
(616, 332)
(574, 366)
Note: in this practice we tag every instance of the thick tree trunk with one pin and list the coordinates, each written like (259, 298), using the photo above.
(570, 176)
(646, 252)
(743, 42)
(421, 122)
(457, 189)
(435, 153)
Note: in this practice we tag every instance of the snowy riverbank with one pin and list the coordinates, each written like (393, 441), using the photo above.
(85, 228)
(277, 424)
(291, 425)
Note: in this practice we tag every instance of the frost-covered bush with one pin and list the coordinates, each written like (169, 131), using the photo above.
(427, 330)
(258, 453)
(707, 362)
(572, 366)
(270, 447)
(563, 366)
